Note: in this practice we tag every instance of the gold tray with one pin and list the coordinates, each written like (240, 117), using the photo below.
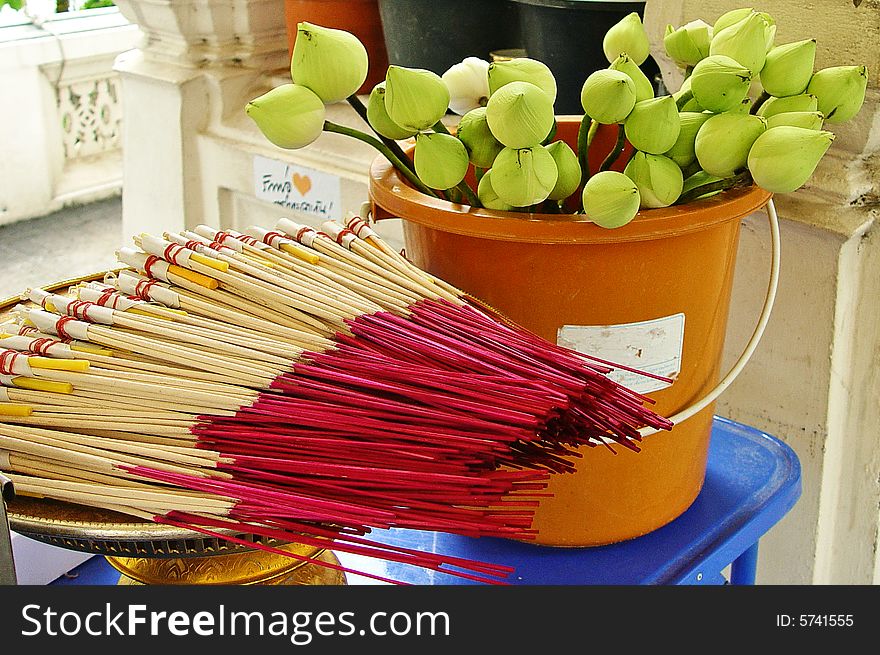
(129, 541)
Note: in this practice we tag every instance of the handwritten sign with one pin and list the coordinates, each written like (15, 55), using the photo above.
(302, 190)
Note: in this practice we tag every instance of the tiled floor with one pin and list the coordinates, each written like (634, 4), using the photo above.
(72, 242)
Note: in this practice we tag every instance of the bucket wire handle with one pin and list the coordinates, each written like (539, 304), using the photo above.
(746, 355)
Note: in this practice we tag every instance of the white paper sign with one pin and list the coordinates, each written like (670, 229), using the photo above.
(304, 190)
(652, 346)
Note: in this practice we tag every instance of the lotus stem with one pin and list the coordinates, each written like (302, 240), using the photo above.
(615, 153)
(764, 97)
(385, 150)
(392, 145)
(737, 181)
(585, 139)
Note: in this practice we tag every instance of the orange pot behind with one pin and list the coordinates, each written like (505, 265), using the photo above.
(545, 271)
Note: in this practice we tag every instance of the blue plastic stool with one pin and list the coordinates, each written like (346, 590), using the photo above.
(752, 481)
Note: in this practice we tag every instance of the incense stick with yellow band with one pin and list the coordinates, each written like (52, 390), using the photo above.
(256, 374)
(341, 300)
(243, 284)
(195, 299)
(294, 269)
(389, 296)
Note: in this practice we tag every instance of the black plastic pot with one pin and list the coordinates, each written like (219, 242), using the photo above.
(567, 36)
(435, 34)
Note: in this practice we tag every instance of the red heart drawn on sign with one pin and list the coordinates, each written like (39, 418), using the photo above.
(302, 183)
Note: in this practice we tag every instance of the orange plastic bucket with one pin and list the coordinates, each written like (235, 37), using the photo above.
(547, 271)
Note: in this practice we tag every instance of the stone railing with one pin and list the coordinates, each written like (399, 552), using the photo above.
(60, 121)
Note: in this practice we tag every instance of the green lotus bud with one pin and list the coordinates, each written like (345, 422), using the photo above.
(698, 179)
(568, 169)
(473, 130)
(719, 83)
(723, 142)
(840, 90)
(608, 96)
(415, 98)
(682, 152)
(290, 115)
(802, 102)
(788, 68)
(653, 125)
(731, 18)
(378, 118)
(525, 176)
(644, 88)
(522, 69)
(658, 178)
(468, 84)
(783, 158)
(520, 115)
(611, 199)
(689, 44)
(627, 36)
(744, 42)
(811, 120)
(487, 195)
(332, 63)
(441, 160)
(769, 30)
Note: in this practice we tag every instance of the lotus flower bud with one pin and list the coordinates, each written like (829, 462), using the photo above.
(653, 125)
(522, 69)
(415, 98)
(698, 179)
(468, 84)
(611, 199)
(682, 152)
(644, 88)
(487, 195)
(731, 18)
(608, 96)
(290, 115)
(783, 158)
(473, 130)
(627, 36)
(744, 42)
(689, 44)
(520, 115)
(722, 144)
(719, 83)
(769, 31)
(523, 177)
(840, 90)
(441, 160)
(378, 117)
(568, 170)
(332, 63)
(802, 102)
(788, 68)
(658, 178)
(811, 120)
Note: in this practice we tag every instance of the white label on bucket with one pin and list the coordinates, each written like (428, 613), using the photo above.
(303, 190)
(652, 346)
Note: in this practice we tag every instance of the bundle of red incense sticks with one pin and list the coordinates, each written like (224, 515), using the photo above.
(297, 385)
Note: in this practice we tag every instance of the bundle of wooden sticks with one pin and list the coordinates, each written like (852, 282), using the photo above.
(296, 385)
